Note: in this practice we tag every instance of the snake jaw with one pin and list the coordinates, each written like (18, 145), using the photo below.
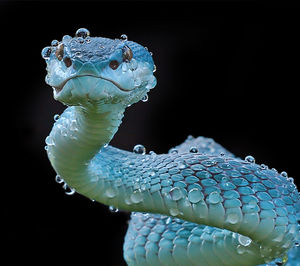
(60, 87)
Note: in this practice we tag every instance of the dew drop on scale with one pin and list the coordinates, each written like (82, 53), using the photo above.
(68, 190)
(124, 37)
(250, 159)
(193, 150)
(139, 149)
(145, 98)
(58, 179)
(113, 209)
(56, 117)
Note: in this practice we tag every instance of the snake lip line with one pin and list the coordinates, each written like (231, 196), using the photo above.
(60, 87)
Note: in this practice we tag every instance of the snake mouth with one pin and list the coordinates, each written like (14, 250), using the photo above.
(60, 87)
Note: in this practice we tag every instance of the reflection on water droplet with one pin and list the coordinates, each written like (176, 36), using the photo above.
(113, 209)
(154, 68)
(195, 195)
(284, 174)
(68, 190)
(174, 212)
(182, 165)
(136, 197)
(232, 218)
(250, 159)
(139, 149)
(56, 117)
(46, 52)
(124, 37)
(193, 150)
(145, 98)
(214, 197)
(58, 179)
(110, 193)
(244, 240)
(176, 193)
(263, 166)
(49, 141)
(240, 249)
(173, 151)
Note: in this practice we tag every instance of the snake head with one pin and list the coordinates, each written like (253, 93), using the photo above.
(86, 69)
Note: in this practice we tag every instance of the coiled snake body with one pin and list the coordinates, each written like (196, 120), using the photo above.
(196, 205)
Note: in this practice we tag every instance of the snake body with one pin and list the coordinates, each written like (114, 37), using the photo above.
(196, 205)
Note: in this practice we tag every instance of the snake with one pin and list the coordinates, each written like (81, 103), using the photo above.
(198, 204)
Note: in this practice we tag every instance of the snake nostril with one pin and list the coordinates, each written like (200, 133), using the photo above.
(59, 52)
(68, 61)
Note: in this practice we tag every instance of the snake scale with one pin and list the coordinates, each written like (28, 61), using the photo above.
(196, 205)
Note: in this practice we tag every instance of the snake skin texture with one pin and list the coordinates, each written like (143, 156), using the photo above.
(197, 204)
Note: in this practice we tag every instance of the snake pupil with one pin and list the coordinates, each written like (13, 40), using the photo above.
(59, 53)
(114, 64)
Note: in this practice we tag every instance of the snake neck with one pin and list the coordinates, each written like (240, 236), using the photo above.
(79, 134)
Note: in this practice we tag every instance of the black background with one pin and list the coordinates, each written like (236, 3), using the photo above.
(226, 70)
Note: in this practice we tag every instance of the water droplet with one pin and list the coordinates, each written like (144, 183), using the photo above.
(250, 159)
(263, 166)
(110, 193)
(56, 117)
(139, 149)
(105, 145)
(154, 68)
(189, 137)
(54, 43)
(291, 180)
(82, 32)
(136, 197)
(214, 197)
(66, 39)
(176, 193)
(222, 154)
(174, 212)
(232, 218)
(182, 165)
(46, 148)
(68, 190)
(46, 52)
(195, 195)
(49, 141)
(244, 240)
(284, 174)
(193, 150)
(152, 153)
(58, 179)
(297, 244)
(173, 151)
(113, 209)
(240, 249)
(145, 98)
(124, 37)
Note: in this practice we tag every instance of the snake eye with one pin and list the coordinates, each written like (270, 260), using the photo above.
(59, 53)
(114, 64)
(127, 53)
